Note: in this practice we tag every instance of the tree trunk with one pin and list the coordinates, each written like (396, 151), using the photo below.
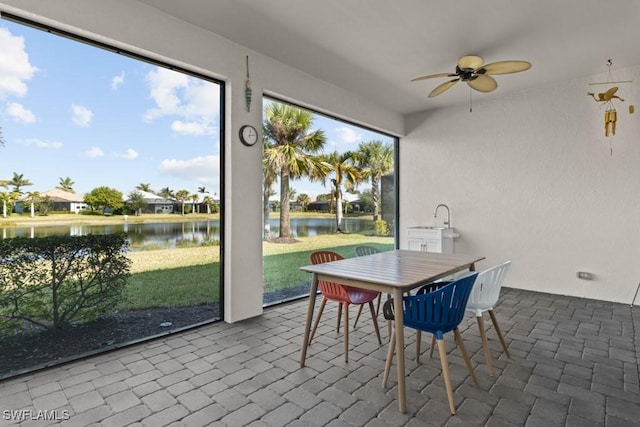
(285, 226)
(375, 196)
(338, 208)
(266, 233)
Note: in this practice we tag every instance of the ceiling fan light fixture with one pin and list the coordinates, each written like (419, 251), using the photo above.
(472, 70)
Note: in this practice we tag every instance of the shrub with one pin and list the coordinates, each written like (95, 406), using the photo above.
(52, 282)
(380, 228)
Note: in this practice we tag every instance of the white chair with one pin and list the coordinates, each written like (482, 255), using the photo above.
(484, 296)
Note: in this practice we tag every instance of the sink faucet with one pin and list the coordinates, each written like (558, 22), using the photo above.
(435, 214)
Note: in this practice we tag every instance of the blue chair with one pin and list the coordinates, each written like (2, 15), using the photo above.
(437, 312)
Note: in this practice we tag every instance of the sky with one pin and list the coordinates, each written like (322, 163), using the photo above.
(102, 119)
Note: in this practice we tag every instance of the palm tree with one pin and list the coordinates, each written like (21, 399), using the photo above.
(66, 184)
(8, 200)
(166, 193)
(194, 199)
(202, 190)
(303, 200)
(269, 177)
(343, 171)
(143, 186)
(182, 196)
(290, 150)
(208, 201)
(375, 159)
(33, 197)
(18, 181)
(1, 138)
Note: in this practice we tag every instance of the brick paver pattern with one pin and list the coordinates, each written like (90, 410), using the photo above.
(574, 362)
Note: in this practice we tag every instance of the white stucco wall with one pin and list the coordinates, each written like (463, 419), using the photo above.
(140, 29)
(529, 177)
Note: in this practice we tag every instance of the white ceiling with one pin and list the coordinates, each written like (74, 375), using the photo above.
(375, 47)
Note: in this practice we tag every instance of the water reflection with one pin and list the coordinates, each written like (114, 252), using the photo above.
(309, 227)
(164, 235)
(176, 234)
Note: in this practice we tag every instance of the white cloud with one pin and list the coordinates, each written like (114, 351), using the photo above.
(203, 170)
(94, 152)
(15, 68)
(117, 81)
(348, 135)
(81, 115)
(131, 154)
(19, 113)
(33, 142)
(195, 101)
(192, 128)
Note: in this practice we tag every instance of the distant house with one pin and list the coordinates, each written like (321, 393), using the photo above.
(65, 201)
(293, 205)
(319, 206)
(156, 204)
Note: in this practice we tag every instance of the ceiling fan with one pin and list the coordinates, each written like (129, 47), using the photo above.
(470, 69)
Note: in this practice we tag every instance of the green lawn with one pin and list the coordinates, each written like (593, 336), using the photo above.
(282, 262)
(190, 276)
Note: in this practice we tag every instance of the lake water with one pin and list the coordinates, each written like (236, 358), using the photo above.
(172, 234)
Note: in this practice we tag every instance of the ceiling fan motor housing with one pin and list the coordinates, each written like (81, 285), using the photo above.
(468, 74)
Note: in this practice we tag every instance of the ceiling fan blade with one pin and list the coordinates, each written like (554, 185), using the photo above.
(443, 87)
(483, 83)
(432, 76)
(506, 67)
(472, 62)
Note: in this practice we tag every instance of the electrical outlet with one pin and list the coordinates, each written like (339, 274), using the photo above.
(584, 275)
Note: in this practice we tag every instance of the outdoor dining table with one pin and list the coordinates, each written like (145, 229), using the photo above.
(394, 272)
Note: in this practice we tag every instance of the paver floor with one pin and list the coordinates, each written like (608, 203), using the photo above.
(574, 362)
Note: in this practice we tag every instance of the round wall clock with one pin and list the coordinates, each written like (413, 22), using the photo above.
(248, 135)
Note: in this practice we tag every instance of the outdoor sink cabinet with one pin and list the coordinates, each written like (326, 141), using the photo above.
(428, 238)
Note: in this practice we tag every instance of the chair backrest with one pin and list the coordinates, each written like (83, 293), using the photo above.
(486, 291)
(366, 250)
(331, 290)
(439, 311)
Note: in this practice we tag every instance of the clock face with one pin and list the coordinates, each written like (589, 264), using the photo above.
(248, 135)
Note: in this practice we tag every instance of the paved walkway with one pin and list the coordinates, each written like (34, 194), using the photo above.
(574, 363)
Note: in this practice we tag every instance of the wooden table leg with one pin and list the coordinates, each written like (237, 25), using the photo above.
(399, 333)
(307, 328)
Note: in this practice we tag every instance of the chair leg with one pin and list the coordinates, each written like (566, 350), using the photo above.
(358, 316)
(418, 342)
(374, 317)
(346, 332)
(485, 344)
(378, 306)
(339, 317)
(387, 365)
(433, 345)
(315, 325)
(465, 356)
(389, 325)
(445, 374)
(499, 332)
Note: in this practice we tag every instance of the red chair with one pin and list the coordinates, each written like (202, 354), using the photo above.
(344, 296)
